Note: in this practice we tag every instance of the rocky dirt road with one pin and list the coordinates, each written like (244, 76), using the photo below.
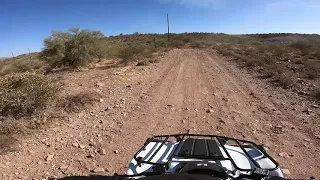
(192, 91)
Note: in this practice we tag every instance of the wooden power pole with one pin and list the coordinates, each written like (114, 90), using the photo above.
(168, 26)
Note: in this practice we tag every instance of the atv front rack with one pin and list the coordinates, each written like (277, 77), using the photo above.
(205, 147)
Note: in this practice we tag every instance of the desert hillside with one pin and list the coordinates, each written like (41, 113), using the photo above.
(87, 111)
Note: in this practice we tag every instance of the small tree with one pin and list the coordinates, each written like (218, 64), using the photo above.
(72, 48)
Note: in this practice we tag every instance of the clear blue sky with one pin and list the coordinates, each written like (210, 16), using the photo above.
(25, 23)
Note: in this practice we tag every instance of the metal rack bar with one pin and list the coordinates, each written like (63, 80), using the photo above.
(247, 154)
(164, 141)
(229, 157)
(181, 137)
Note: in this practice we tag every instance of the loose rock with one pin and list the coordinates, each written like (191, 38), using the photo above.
(222, 121)
(63, 167)
(116, 151)
(226, 99)
(283, 154)
(302, 93)
(99, 84)
(98, 170)
(91, 156)
(49, 157)
(307, 111)
(210, 111)
(307, 139)
(315, 106)
(45, 142)
(286, 171)
(102, 151)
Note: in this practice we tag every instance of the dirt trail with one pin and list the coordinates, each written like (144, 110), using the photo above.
(188, 91)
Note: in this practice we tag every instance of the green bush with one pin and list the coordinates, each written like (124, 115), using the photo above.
(72, 48)
(22, 94)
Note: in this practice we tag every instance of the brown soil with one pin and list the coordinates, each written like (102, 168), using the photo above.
(134, 106)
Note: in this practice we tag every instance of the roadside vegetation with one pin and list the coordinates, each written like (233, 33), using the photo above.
(291, 61)
(287, 60)
(22, 94)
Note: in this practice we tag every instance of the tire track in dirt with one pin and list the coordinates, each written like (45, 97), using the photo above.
(198, 82)
(205, 94)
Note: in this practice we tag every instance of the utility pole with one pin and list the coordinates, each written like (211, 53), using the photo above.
(12, 54)
(29, 51)
(168, 27)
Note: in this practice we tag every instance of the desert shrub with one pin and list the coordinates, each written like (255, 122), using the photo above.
(176, 43)
(305, 48)
(129, 52)
(273, 70)
(196, 45)
(312, 69)
(143, 63)
(267, 60)
(250, 62)
(153, 61)
(78, 102)
(285, 80)
(23, 63)
(316, 93)
(21, 94)
(317, 54)
(277, 50)
(186, 39)
(72, 48)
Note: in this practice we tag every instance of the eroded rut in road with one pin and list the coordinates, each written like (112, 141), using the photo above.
(196, 91)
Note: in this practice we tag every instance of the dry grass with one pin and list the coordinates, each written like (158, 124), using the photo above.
(316, 93)
(285, 80)
(294, 55)
(23, 63)
(282, 58)
(143, 63)
(21, 94)
(78, 102)
(12, 130)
